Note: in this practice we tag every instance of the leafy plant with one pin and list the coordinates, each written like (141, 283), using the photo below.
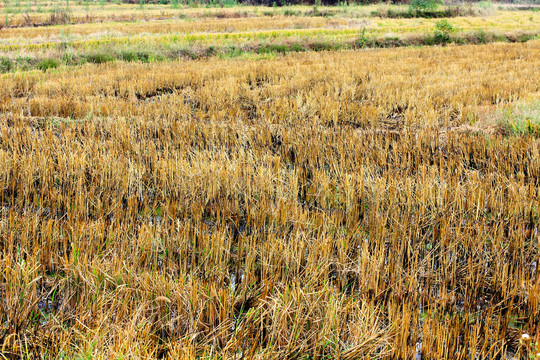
(363, 40)
(443, 30)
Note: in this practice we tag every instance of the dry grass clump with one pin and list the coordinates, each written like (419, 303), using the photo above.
(307, 206)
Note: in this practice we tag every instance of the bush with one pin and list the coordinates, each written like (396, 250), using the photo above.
(49, 63)
(443, 29)
(362, 41)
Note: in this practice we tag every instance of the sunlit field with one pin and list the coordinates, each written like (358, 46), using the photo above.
(43, 35)
(181, 181)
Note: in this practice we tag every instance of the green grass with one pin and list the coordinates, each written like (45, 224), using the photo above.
(99, 57)
(49, 63)
(5, 65)
(523, 119)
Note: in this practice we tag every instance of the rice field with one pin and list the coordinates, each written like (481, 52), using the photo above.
(136, 34)
(353, 202)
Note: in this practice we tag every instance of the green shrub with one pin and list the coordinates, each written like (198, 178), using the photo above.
(48, 63)
(443, 29)
(363, 40)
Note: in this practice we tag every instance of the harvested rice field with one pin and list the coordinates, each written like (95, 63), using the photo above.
(224, 181)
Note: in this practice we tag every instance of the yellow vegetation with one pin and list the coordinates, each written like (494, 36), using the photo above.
(337, 204)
